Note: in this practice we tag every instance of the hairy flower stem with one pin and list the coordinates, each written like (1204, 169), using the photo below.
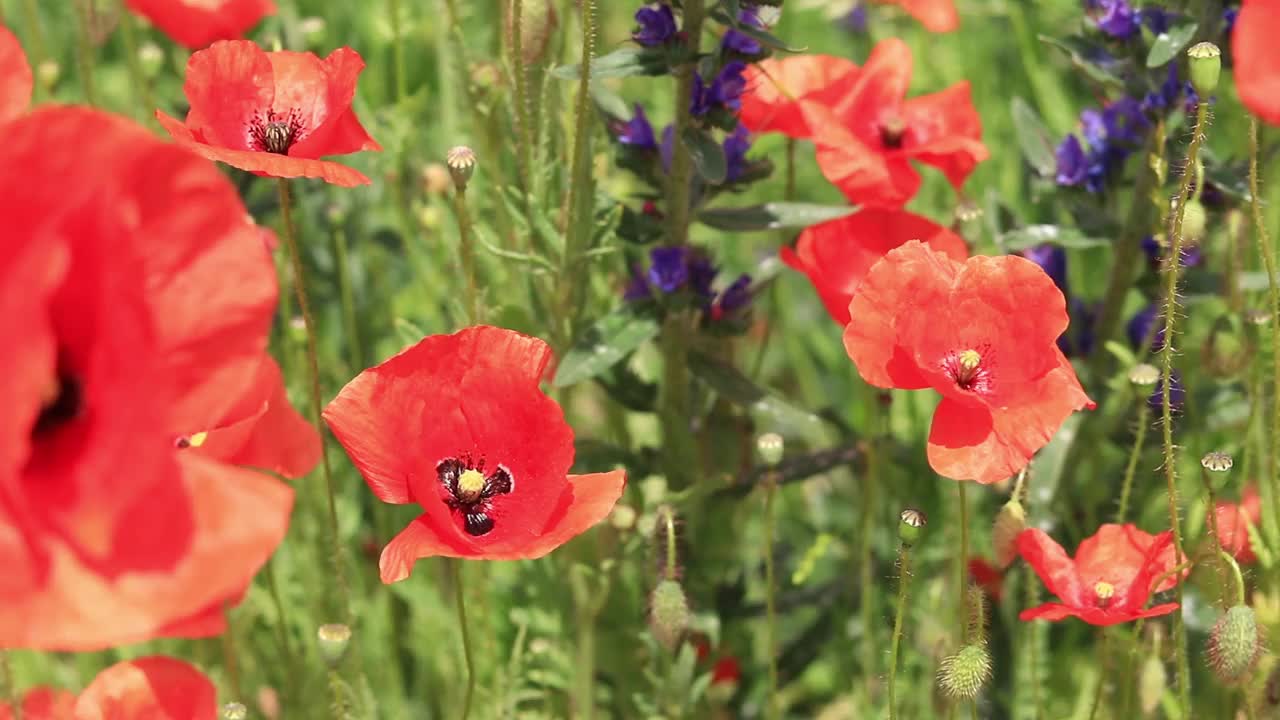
(336, 559)
(1144, 418)
(681, 175)
(1103, 662)
(292, 669)
(85, 49)
(467, 253)
(963, 576)
(1169, 270)
(1213, 530)
(904, 584)
(579, 203)
(771, 610)
(1273, 291)
(141, 86)
(455, 565)
(524, 139)
(230, 662)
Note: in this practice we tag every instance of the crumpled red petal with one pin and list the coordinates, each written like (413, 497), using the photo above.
(938, 16)
(1256, 64)
(196, 23)
(149, 688)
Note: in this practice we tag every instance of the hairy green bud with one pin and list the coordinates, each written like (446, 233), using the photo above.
(1235, 643)
(963, 675)
(1010, 522)
(668, 613)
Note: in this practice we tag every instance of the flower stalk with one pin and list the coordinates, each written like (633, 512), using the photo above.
(85, 49)
(1135, 453)
(910, 527)
(1268, 253)
(455, 566)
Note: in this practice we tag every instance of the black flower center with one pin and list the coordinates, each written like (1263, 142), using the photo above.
(63, 403)
(275, 133)
(471, 491)
(892, 133)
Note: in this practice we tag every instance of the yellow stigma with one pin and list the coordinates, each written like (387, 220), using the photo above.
(1104, 590)
(197, 439)
(470, 483)
(970, 360)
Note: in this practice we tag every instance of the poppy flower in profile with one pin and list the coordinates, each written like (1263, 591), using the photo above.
(458, 425)
(125, 336)
(15, 77)
(196, 23)
(149, 688)
(1110, 579)
(837, 254)
(983, 333)
(1255, 62)
(273, 113)
(1234, 520)
(938, 16)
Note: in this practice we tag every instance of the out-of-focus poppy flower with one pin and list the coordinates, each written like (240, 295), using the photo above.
(458, 425)
(15, 77)
(726, 671)
(776, 88)
(196, 23)
(988, 577)
(125, 336)
(1234, 520)
(149, 688)
(937, 16)
(982, 332)
(273, 113)
(1255, 62)
(837, 254)
(1109, 580)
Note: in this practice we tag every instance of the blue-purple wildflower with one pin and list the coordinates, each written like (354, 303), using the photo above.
(736, 146)
(656, 25)
(1118, 19)
(638, 132)
(740, 42)
(723, 93)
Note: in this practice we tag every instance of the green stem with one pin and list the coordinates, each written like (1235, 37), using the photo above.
(771, 610)
(521, 77)
(34, 39)
(229, 656)
(904, 583)
(460, 601)
(1170, 268)
(963, 575)
(85, 49)
(313, 376)
(669, 520)
(681, 175)
(1103, 661)
(1273, 292)
(467, 252)
(397, 50)
(1237, 578)
(8, 692)
(1213, 529)
(579, 203)
(282, 629)
(349, 318)
(1144, 413)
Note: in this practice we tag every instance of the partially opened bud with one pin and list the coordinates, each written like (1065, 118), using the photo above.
(537, 24)
(668, 613)
(963, 674)
(1194, 222)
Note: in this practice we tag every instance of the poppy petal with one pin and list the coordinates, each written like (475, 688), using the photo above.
(865, 175)
(937, 16)
(196, 23)
(43, 703)
(1053, 612)
(418, 540)
(590, 499)
(275, 437)
(877, 93)
(946, 132)
(1256, 63)
(338, 131)
(1051, 563)
(227, 85)
(155, 688)
(776, 87)
(16, 81)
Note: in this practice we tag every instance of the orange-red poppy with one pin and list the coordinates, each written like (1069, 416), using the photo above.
(196, 23)
(149, 688)
(1255, 62)
(15, 77)
(273, 113)
(937, 16)
(1234, 520)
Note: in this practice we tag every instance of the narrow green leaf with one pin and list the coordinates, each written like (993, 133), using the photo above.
(624, 62)
(737, 388)
(1167, 45)
(602, 345)
(1082, 54)
(708, 155)
(1032, 235)
(772, 216)
(1034, 138)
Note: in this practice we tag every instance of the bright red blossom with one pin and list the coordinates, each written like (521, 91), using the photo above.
(837, 254)
(1234, 521)
(125, 336)
(149, 688)
(983, 333)
(1110, 579)
(458, 425)
(1255, 62)
(196, 23)
(273, 114)
(937, 16)
(15, 77)
(865, 130)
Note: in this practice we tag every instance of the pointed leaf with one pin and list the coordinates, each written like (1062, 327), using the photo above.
(737, 388)
(624, 62)
(1034, 138)
(602, 345)
(1167, 45)
(772, 216)
(1032, 235)
(707, 154)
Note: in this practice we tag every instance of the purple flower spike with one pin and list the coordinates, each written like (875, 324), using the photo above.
(1072, 164)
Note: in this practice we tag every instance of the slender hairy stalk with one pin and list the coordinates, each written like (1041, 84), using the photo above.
(1273, 290)
(579, 203)
(524, 139)
(229, 656)
(456, 566)
(963, 586)
(1144, 417)
(282, 628)
(85, 49)
(141, 86)
(397, 50)
(771, 610)
(467, 252)
(1213, 530)
(313, 375)
(904, 584)
(349, 319)
(681, 174)
(1169, 269)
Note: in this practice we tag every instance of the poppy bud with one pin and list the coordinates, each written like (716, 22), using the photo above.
(1011, 520)
(1205, 65)
(1194, 222)
(150, 59)
(963, 674)
(462, 165)
(1152, 682)
(1235, 643)
(668, 613)
(770, 446)
(48, 72)
(234, 711)
(1144, 375)
(537, 23)
(666, 544)
(911, 525)
(334, 640)
(623, 517)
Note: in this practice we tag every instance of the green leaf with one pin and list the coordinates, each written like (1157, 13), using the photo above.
(772, 216)
(1048, 464)
(624, 62)
(737, 388)
(1032, 235)
(708, 155)
(1167, 45)
(1034, 138)
(602, 345)
(1080, 51)
(763, 37)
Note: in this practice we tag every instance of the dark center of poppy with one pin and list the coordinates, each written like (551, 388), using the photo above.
(966, 368)
(472, 492)
(275, 133)
(892, 133)
(63, 402)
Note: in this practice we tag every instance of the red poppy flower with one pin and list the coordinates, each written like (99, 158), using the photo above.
(837, 254)
(1109, 580)
(937, 16)
(149, 688)
(1255, 62)
(777, 86)
(125, 336)
(458, 425)
(726, 671)
(1234, 521)
(988, 577)
(273, 113)
(196, 23)
(982, 332)
(15, 77)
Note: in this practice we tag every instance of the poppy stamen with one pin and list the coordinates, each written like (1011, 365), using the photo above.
(471, 492)
(275, 133)
(190, 441)
(892, 132)
(967, 370)
(1104, 591)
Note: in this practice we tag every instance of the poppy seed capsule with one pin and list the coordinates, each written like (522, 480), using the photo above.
(668, 613)
(963, 674)
(911, 525)
(334, 640)
(1144, 375)
(770, 446)
(1216, 461)
(461, 162)
(1010, 521)
(1235, 643)
(1204, 63)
